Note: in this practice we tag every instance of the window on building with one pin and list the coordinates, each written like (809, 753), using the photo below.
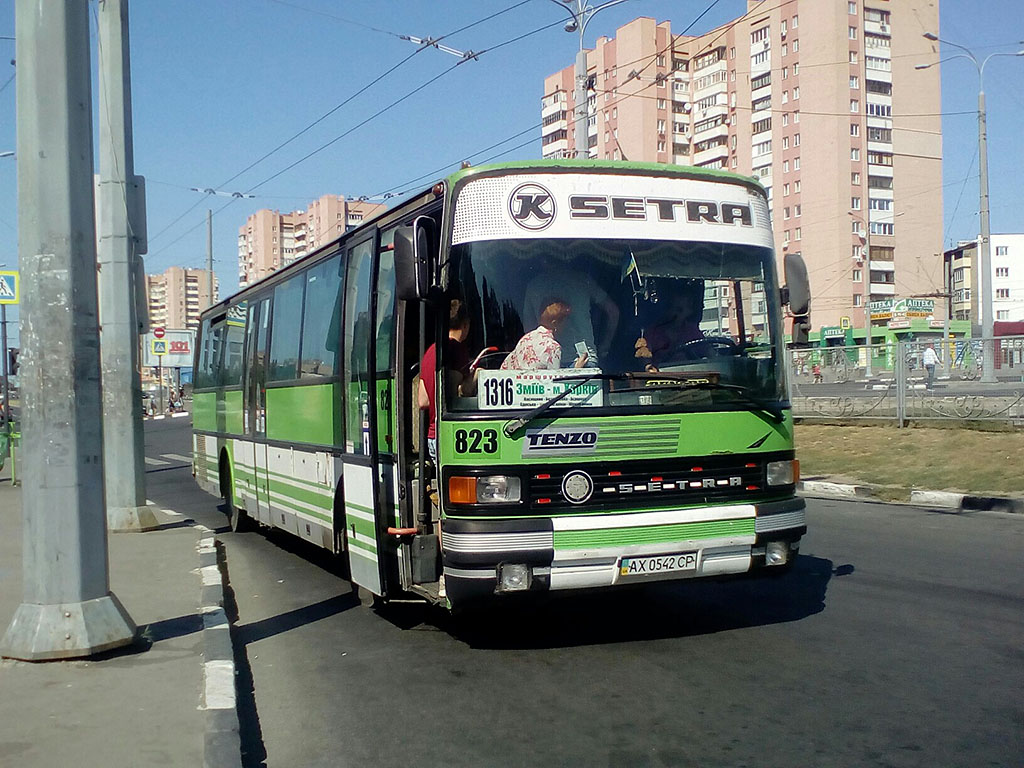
(1002, 250)
(796, 116)
(880, 158)
(858, 276)
(785, 49)
(1002, 271)
(852, 32)
(879, 110)
(854, 82)
(761, 81)
(854, 153)
(855, 203)
(785, 166)
(853, 57)
(758, 35)
(854, 106)
(796, 234)
(796, 209)
(785, 142)
(785, 189)
(855, 178)
(1002, 314)
(879, 204)
(855, 129)
(785, 119)
(1002, 293)
(858, 300)
(879, 182)
(785, 73)
(796, 19)
(882, 228)
(796, 93)
(796, 186)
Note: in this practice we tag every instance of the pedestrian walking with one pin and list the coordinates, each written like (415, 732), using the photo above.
(930, 361)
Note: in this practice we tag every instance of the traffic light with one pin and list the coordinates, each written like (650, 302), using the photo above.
(12, 361)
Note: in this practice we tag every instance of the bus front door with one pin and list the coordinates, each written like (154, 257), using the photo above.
(364, 528)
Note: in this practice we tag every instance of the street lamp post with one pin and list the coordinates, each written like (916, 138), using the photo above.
(987, 320)
(581, 12)
(867, 293)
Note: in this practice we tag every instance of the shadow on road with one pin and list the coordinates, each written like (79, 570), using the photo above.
(650, 612)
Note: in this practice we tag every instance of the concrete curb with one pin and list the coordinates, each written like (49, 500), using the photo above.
(222, 746)
(961, 502)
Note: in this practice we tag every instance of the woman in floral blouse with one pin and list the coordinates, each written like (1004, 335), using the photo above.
(538, 349)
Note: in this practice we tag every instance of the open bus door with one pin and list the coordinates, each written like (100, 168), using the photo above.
(257, 501)
(364, 526)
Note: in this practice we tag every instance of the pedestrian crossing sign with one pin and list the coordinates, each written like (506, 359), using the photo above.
(9, 288)
(159, 346)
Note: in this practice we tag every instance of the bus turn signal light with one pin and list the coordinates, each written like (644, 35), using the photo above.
(462, 490)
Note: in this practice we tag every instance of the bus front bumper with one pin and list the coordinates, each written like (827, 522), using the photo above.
(487, 557)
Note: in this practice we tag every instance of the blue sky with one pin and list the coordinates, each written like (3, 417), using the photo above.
(216, 85)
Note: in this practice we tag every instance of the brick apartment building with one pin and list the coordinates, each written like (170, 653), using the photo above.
(818, 100)
(271, 239)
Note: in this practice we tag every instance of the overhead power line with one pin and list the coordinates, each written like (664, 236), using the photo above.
(334, 109)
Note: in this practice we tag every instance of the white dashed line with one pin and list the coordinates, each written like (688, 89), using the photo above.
(156, 462)
(177, 457)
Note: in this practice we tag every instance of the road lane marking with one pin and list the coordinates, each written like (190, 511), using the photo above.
(156, 462)
(177, 457)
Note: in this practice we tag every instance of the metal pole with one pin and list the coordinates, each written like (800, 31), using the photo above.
(209, 254)
(867, 296)
(582, 107)
(988, 373)
(124, 450)
(68, 610)
(6, 383)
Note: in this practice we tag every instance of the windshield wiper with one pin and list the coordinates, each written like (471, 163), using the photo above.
(742, 393)
(513, 425)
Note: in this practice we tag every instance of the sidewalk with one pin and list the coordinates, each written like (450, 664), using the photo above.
(139, 706)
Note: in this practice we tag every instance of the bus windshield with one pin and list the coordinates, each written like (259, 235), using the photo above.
(675, 325)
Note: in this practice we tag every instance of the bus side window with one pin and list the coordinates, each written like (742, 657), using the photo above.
(287, 325)
(320, 321)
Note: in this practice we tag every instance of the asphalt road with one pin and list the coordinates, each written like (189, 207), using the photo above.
(895, 641)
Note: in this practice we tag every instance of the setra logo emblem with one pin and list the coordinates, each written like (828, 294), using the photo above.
(531, 206)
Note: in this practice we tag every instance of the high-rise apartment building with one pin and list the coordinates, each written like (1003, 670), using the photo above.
(271, 239)
(818, 100)
(177, 297)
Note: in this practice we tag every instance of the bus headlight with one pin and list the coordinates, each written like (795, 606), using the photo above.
(489, 489)
(783, 472)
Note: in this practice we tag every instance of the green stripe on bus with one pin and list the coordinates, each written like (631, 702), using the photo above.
(653, 534)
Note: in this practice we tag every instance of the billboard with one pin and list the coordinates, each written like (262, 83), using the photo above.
(168, 348)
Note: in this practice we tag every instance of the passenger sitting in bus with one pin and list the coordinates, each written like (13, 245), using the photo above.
(457, 376)
(677, 335)
(587, 295)
(538, 349)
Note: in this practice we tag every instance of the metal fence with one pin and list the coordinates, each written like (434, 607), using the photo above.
(899, 384)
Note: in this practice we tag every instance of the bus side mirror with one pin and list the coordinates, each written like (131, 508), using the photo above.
(414, 246)
(797, 293)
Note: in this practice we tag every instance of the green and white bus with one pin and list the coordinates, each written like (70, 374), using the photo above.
(647, 440)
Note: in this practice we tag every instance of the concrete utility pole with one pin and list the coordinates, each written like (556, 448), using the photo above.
(124, 449)
(68, 610)
(581, 12)
(209, 253)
